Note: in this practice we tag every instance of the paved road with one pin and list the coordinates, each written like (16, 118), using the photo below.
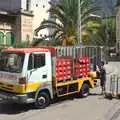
(94, 107)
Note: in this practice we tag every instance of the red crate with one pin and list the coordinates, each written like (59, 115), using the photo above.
(76, 65)
(69, 67)
(87, 59)
(84, 70)
(64, 68)
(87, 65)
(84, 60)
(88, 69)
(80, 60)
(84, 65)
(69, 77)
(85, 74)
(69, 72)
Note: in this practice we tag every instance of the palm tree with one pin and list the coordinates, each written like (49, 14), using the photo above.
(63, 22)
(105, 34)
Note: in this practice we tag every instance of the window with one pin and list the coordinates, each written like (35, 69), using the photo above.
(27, 37)
(11, 62)
(1, 38)
(30, 63)
(28, 3)
(36, 5)
(10, 38)
(39, 60)
(36, 61)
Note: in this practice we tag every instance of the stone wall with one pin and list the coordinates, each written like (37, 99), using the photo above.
(26, 27)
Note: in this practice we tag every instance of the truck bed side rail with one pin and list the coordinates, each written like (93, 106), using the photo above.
(74, 51)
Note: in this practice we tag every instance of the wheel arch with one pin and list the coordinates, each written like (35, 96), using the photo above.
(46, 90)
(87, 82)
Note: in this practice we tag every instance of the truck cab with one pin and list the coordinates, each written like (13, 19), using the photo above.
(23, 72)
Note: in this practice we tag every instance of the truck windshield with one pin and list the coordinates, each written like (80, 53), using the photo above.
(11, 62)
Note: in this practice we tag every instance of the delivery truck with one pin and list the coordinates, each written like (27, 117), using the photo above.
(39, 75)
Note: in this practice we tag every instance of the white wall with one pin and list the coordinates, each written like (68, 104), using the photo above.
(40, 8)
(23, 4)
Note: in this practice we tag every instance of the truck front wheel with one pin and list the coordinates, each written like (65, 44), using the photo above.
(84, 92)
(42, 101)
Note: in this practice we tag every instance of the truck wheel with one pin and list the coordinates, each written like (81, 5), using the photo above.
(108, 96)
(84, 92)
(42, 101)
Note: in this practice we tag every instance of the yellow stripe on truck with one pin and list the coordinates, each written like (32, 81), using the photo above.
(30, 87)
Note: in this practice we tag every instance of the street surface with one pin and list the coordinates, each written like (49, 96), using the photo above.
(94, 107)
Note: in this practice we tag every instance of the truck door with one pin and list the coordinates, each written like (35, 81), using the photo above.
(39, 70)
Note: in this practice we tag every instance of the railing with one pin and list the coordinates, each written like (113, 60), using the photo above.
(97, 52)
(113, 85)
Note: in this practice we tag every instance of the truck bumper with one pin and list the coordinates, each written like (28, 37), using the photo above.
(17, 98)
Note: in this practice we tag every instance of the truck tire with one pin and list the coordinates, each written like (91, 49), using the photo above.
(42, 101)
(108, 96)
(84, 92)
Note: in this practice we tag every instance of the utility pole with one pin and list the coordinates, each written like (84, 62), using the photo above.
(107, 37)
(79, 23)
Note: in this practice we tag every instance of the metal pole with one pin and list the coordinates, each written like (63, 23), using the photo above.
(79, 22)
(106, 42)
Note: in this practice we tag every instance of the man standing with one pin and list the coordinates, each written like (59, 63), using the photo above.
(102, 76)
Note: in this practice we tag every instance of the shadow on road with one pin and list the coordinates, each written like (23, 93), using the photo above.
(13, 108)
(95, 94)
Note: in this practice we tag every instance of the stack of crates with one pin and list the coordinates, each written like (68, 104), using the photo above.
(63, 68)
(82, 67)
(78, 70)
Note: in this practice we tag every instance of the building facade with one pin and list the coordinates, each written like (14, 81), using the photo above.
(19, 19)
(40, 11)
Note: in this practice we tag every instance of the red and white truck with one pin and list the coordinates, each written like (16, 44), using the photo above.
(38, 75)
